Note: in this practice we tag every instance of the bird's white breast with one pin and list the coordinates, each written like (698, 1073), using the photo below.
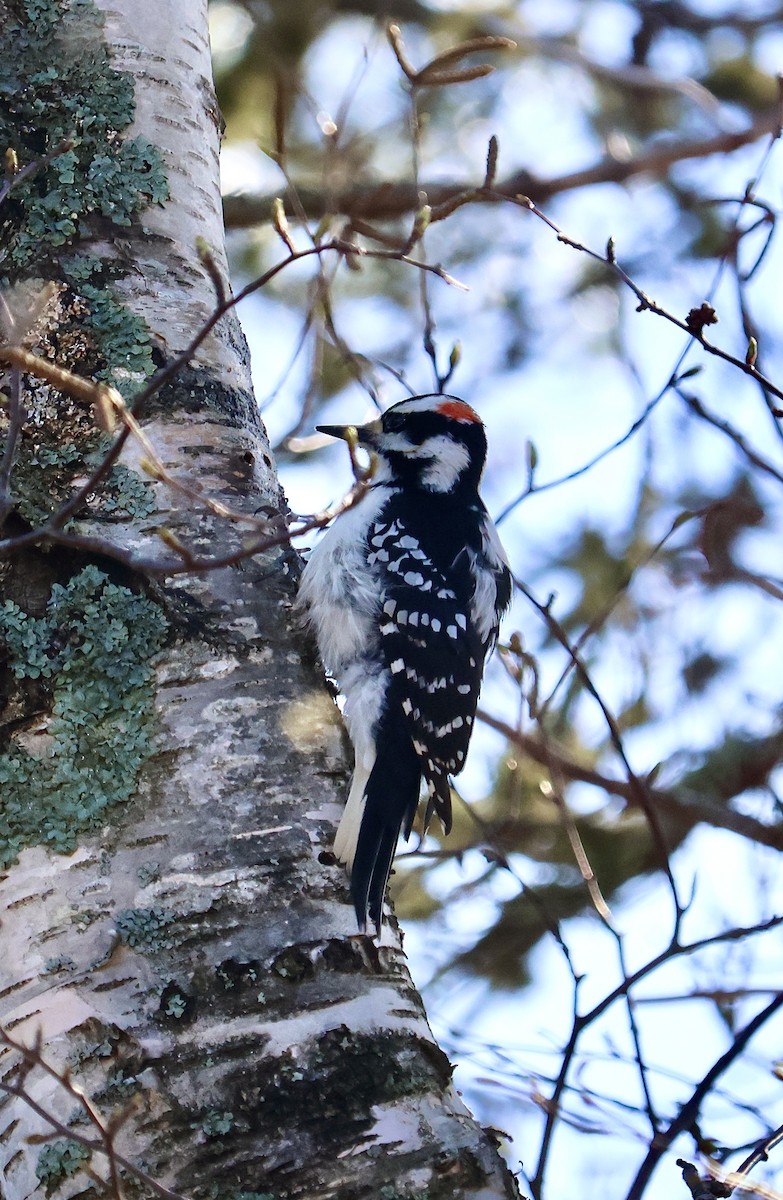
(340, 591)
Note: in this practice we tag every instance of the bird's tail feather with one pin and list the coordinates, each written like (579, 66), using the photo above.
(351, 821)
(391, 796)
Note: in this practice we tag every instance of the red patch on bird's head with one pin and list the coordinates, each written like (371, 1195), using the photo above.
(458, 410)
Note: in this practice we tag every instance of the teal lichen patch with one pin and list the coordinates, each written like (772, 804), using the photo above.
(148, 872)
(58, 1160)
(119, 339)
(146, 928)
(43, 477)
(123, 339)
(48, 470)
(57, 84)
(123, 494)
(59, 92)
(217, 1124)
(176, 1005)
(90, 653)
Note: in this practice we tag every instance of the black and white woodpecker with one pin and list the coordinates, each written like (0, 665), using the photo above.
(405, 593)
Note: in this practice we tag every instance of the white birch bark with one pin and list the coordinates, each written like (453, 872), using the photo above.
(194, 956)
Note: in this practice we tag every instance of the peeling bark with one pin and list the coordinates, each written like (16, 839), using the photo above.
(195, 956)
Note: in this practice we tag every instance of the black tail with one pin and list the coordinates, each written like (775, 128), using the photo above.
(392, 797)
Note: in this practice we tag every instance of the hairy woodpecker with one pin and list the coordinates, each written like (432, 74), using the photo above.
(405, 593)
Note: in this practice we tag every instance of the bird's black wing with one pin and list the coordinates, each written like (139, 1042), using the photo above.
(434, 656)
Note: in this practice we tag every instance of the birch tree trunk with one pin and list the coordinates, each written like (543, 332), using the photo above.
(171, 764)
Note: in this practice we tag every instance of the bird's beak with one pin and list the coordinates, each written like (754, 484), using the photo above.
(362, 435)
(339, 431)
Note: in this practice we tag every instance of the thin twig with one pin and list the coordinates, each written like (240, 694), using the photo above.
(105, 1145)
(602, 617)
(580, 1022)
(668, 801)
(534, 488)
(639, 790)
(696, 407)
(647, 304)
(15, 422)
(689, 1111)
(52, 530)
(761, 1151)
(13, 180)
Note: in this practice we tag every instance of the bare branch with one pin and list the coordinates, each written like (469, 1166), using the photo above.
(646, 304)
(388, 200)
(677, 804)
(690, 1110)
(103, 1144)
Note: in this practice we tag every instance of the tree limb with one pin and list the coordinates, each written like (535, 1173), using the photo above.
(386, 200)
(685, 803)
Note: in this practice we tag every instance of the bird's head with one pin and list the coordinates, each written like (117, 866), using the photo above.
(436, 443)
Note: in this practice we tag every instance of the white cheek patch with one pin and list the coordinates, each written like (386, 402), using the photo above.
(450, 459)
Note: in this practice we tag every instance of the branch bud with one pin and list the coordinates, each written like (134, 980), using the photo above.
(492, 162)
(394, 35)
(150, 468)
(280, 223)
(207, 260)
(420, 224)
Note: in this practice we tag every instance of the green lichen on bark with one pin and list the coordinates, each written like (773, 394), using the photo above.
(90, 652)
(216, 1123)
(58, 1160)
(145, 928)
(57, 84)
(47, 469)
(121, 336)
(58, 88)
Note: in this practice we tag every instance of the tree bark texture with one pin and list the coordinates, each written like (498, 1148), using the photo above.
(171, 763)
